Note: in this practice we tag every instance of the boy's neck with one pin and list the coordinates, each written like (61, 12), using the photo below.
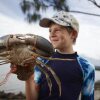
(66, 51)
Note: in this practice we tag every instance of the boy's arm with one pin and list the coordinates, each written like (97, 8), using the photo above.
(32, 85)
(88, 86)
(32, 89)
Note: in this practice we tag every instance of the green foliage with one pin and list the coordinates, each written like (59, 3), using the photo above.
(32, 8)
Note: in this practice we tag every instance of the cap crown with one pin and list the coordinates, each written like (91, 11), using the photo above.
(66, 19)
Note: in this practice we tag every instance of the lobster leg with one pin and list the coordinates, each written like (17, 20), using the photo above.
(47, 76)
(5, 79)
(4, 60)
(28, 60)
(3, 54)
(54, 75)
(2, 63)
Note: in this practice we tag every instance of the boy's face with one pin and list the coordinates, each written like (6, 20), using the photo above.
(59, 37)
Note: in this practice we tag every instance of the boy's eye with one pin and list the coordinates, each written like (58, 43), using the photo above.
(54, 31)
(57, 30)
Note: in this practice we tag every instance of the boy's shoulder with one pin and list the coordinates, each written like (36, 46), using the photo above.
(85, 63)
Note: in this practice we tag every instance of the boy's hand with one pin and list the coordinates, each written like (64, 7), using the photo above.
(23, 72)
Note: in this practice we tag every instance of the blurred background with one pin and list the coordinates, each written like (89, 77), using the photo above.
(22, 16)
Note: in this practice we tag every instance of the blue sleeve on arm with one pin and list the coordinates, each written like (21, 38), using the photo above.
(87, 92)
(88, 87)
(37, 75)
(37, 72)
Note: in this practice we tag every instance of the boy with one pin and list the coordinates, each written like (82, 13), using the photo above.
(77, 76)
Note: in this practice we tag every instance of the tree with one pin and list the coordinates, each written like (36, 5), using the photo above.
(32, 8)
(95, 3)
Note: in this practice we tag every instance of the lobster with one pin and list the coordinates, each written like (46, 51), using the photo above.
(20, 49)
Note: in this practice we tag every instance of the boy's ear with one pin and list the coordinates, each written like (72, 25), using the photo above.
(74, 34)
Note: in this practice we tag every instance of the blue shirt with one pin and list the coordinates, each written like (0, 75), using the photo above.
(76, 76)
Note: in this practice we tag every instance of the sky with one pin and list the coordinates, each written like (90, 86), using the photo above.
(12, 20)
(89, 28)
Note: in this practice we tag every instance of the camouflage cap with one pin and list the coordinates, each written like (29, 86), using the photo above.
(62, 18)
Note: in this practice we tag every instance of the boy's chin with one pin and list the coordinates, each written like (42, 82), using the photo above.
(56, 47)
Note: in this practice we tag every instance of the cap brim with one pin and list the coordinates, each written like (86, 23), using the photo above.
(45, 22)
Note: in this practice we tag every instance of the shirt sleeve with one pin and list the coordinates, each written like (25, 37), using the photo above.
(87, 92)
(37, 71)
(37, 75)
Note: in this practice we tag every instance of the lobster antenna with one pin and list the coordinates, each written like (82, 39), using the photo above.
(54, 75)
(49, 58)
(5, 79)
(47, 77)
